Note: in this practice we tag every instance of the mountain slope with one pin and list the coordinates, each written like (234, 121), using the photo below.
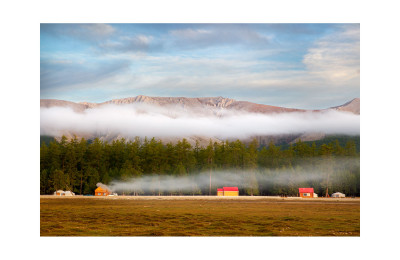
(352, 106)
(183, 102)
(77, 107)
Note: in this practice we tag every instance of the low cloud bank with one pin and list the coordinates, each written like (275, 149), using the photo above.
(153, 121)
(313, 173)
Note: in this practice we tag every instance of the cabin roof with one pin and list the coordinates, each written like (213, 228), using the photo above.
(306, 190)
(100, 189)
(231, 189)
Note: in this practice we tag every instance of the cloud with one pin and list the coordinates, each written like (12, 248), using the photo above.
(336, 57)
(249, 80)
(292, 29)
(193, 34)
(151, 121)
(85, 32)
(97, 29)
(56, 73)
(136, 44)
(222, 35)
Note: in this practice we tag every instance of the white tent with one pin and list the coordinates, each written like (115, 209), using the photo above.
(338, 195)
(69, 193)
(64, 193)
(59, 192)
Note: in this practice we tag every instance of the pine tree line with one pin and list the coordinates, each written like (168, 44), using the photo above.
(77, 165)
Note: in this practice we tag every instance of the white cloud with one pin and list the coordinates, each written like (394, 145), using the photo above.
(190, 33)
(194, 38)
(232, 76)
(98, 29)
(336, 57)
(126, 44)
(151, 121)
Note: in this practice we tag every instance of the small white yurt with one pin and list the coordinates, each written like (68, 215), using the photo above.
(338, 195)
(64, 193)
(59, 193)
(69, 193)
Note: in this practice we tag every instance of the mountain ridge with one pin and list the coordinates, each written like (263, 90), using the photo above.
(352, 106)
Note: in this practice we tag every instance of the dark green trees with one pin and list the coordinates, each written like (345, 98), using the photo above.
(78, 165)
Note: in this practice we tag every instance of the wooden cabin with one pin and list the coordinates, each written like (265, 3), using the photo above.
(101, 192)
(306, 192)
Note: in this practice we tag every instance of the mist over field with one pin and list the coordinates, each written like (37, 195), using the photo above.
(311, 172)
(144, 120)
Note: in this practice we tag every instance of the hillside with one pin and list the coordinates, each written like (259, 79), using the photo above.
(183, 102)
(352, 106)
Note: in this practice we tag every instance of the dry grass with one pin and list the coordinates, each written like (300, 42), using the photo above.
(198, 216)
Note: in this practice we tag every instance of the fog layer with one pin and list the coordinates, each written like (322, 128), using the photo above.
(153, 121)
(313, 174)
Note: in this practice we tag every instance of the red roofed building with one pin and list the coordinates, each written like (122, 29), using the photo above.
(231, 191)
(306, 192)
(220, 192)
(101, 192)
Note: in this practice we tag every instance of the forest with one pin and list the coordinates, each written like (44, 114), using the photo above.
(78, 165)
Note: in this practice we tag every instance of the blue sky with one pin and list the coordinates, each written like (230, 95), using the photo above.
(292, 65)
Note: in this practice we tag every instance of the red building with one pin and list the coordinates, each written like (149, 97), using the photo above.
(306, 192)
(231, 191)
(228, 191)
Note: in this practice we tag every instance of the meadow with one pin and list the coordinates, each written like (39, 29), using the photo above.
(198, 216)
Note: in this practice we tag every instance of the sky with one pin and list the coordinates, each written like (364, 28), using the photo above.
(308, 66)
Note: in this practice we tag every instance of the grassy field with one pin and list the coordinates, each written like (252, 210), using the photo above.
(198, 216)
